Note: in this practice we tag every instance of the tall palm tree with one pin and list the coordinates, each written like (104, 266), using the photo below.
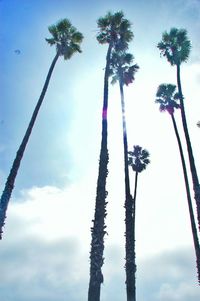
(122, 71)
(114, 30)
(167, 97)
(67, 41)
(138, 160)
(176, 46)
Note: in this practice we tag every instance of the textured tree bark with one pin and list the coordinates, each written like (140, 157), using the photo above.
(130, 264)
(16, 164)
(192, 219)
(195, 180)
(98, 229)
(135, 192)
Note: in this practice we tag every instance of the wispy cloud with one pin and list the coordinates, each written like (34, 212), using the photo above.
(35, 269)
(45, 253)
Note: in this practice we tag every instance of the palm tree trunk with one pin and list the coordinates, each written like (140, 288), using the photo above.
(135, 190)
(129, 221)
(195, 180)
(192, 219)
(134, 198)
(98, 229)
(16, 164)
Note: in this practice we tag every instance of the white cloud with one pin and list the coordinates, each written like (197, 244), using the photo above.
(33, 268)
(52, 213)
(175, 293)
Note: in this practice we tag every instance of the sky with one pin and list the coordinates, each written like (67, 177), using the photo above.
(44, 253)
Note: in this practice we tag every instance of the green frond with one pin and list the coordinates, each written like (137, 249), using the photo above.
(165, 90)
(134, 68)
(103, 22)
(68, 53)
(175, 46)
(75, 47)
(120, 66)
(114, 28)
(162, 107)
(64, 25)
(167, 97)
(51, 41)
(53, 31)
(117, 18)
(138, 159)
(66, 38)
(77, 37)
(128, 58)
(121, 44)
(102, 38)
(177, 96)
(125, 30)
(114, 79)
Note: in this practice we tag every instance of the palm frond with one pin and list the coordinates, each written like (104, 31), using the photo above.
(64, 25)
(138, 159)
(175, 46)
(116, 19)
(167, 97)
(120, 67)
(53, 31)
(66, 38)
(114, 28)
(77, 37)
(51, 41)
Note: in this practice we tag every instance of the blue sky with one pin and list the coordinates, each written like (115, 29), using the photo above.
(44, 254)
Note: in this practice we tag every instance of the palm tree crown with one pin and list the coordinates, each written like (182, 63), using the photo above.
(175, 46)
(138, 158)
(120, 68)
(66, 38)
(167, 97)
(115, 29)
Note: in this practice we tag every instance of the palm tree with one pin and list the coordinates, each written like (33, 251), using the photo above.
(114, 30)
(138, 160)
(167, 98)
(176, 46)
(122, 71)
(67, 41)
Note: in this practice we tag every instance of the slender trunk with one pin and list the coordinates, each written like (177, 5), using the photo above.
(130, 264)
(98, 229)
(134, 215)
(135, 189)
(16, 163)
(195, 180)
(134, 198)
(192, 219)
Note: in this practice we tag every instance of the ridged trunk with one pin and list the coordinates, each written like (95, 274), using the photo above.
(130, 262)
(195, 180)
(98, 229)
(19, 155)
(192, 219)
(135, 191)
